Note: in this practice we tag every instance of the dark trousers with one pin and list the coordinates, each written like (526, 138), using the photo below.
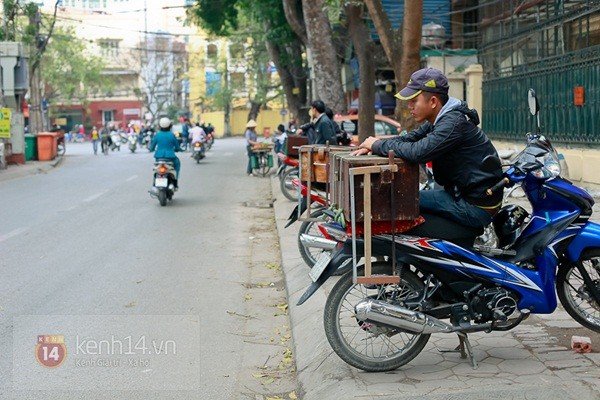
(439, 202)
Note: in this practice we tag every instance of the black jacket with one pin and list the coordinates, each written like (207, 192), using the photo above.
(324, 131)
(456, 146)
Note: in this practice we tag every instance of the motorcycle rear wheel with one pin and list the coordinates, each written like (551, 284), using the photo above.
(367, 346)
(162, 197)
(574, 293)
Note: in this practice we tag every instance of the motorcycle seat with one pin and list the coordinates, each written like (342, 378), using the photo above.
(439, 227)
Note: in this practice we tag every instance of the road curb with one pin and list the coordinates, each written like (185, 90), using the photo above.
(29, 168)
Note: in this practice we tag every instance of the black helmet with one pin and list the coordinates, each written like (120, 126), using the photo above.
(508, 223)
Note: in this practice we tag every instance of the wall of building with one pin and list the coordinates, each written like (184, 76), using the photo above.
(266, 119)
(125, 111)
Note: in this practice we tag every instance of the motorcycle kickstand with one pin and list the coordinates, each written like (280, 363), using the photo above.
(464, 348)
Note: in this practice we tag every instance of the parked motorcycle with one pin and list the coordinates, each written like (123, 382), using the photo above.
(446, 285)
(132, 141)
(165, 181)
(199, 151)
(322, 232)
(288, 171)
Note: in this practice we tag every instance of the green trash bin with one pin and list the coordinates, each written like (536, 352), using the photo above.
(30, 147)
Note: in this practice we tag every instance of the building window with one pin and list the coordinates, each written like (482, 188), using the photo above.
(109, 48)
(237, 80)
(108, 116)
(236, 51)
(211, 54)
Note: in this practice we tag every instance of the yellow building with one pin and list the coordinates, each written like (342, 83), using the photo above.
(209, 86)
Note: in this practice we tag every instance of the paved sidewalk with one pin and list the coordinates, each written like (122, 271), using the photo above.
(532, 361)
(29, 168)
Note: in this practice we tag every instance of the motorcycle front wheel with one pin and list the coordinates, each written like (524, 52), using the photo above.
(574, 293)
(289, 191)
(367, 346)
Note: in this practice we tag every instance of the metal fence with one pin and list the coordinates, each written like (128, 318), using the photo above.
(550, 46)
(555, 81)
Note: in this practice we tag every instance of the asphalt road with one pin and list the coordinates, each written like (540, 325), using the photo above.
(186, 298)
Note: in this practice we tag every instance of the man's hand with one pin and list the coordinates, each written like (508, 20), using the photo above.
(365, 147)
(368, 143)
(360, 152)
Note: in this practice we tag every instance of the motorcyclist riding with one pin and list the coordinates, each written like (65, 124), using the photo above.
(166, 144)
(105, 139)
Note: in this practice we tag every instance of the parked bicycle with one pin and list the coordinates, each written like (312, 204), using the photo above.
(262, 159)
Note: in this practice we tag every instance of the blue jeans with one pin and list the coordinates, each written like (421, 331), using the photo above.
(439, 202)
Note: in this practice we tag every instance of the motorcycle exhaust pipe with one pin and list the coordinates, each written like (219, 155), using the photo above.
(380, 312)
(317, 242)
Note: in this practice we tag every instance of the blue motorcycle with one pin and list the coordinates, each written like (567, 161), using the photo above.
(448, 285)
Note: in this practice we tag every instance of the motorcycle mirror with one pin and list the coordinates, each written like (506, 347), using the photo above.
(534, 106)
(491, 163)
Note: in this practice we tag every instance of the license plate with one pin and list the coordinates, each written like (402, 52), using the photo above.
(161, 182)
(319, 267)
(197, 148)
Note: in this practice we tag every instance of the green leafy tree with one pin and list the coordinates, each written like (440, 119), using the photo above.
(272, 40)
(71, 73)
(23, 22)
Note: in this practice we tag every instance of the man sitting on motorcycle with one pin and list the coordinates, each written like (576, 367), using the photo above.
(450, 138)
(166, 144)
(197, 135)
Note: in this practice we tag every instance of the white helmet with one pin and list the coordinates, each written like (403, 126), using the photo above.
(164, 123)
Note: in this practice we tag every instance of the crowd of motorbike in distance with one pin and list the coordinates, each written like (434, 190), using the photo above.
(164, 183)
(133, 140)
(453, 285)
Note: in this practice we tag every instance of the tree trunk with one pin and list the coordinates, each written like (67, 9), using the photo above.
(411, 57)
(404, 59)
(290, 73)
(363, 47)
(254, 110)
(328, 81)
(36, 124)
(293, 14)
(390, 42)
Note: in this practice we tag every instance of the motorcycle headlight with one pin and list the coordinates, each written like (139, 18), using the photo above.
(550, 166)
